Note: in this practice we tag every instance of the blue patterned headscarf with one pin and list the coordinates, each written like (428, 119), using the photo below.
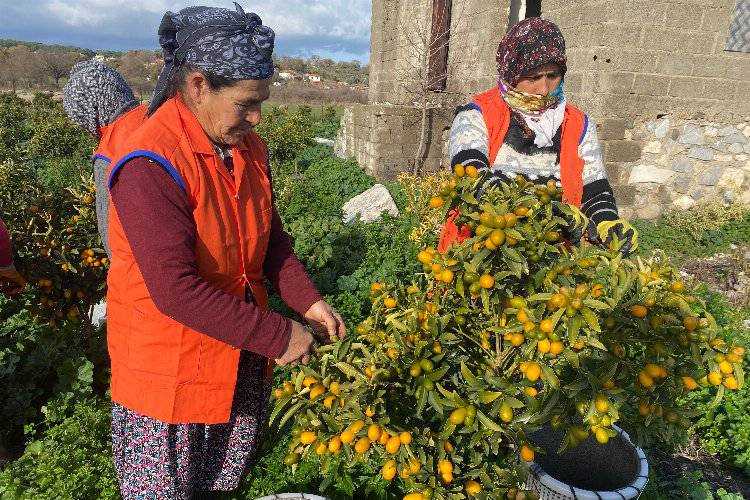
(226, 43)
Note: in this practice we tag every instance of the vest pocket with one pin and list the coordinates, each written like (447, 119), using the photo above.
(160, 346)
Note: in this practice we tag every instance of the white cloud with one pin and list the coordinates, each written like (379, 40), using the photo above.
(340, 18)
(333, 26)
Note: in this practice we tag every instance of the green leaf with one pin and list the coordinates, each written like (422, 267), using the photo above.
(468, 376)
(550, 376)
(290, 413)
(487, 422)
(591, 319)
(574, 327)
(597, 304)
(435, 402)
(348, 370)
(539, 297)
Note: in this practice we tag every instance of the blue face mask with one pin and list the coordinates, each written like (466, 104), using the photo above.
(558, 92)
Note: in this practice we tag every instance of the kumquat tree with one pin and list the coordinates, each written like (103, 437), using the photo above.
(508, 332)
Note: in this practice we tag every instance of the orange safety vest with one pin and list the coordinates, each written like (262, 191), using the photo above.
(117, 133)
(496, 114)
(160, 367)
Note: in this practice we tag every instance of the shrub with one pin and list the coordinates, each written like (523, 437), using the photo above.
(70, 458)
(502, 335)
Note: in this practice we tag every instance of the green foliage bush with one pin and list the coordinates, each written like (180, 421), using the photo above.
(71, 458)
(699, 232)
(725, 428)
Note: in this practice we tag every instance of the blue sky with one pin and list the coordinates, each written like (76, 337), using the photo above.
(339, 29)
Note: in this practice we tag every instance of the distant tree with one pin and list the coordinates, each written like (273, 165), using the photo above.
(57, 64)
(19, 65)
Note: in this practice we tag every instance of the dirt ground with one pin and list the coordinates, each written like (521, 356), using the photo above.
(727, 273)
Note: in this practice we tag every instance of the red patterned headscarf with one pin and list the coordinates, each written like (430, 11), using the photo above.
(529, 44)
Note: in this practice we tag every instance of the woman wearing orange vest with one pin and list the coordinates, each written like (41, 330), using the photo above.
(525, 126)
(98, 99)
(194, 234)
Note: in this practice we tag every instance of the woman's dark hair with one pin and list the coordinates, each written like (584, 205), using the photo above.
(215, 82)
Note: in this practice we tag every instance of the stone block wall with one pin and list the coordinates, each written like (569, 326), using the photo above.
(384, 138)
(675, 164)
(637, 59)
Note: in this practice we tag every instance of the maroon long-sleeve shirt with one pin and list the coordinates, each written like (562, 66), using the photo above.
(6, 250)
(157, 220)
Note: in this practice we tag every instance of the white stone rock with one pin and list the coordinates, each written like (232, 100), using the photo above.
(736, 139)
(703, 154)
(661, 128)
(324, 141)
(728, 130)
(732, 178)
(684, 202)
(653, 147)
(683, 165)
(741, 157)
(370, 205)
(746, 131)
(99, 314)
(711, 131)
(735, 148)
(723, 157)
(691, 134)
(649, 174)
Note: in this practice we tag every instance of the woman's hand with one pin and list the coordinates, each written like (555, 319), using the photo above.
(301, 344)
(325, 321)
(617, 235)
(11, 281)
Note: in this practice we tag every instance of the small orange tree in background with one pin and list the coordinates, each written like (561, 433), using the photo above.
(507, 332)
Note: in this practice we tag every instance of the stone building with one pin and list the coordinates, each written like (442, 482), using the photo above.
(672, 104)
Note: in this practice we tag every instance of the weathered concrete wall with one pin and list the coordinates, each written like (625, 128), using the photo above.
(638, 58)
(384, 138)
(630, 62)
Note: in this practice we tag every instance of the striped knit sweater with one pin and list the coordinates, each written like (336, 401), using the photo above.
(520, 154)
